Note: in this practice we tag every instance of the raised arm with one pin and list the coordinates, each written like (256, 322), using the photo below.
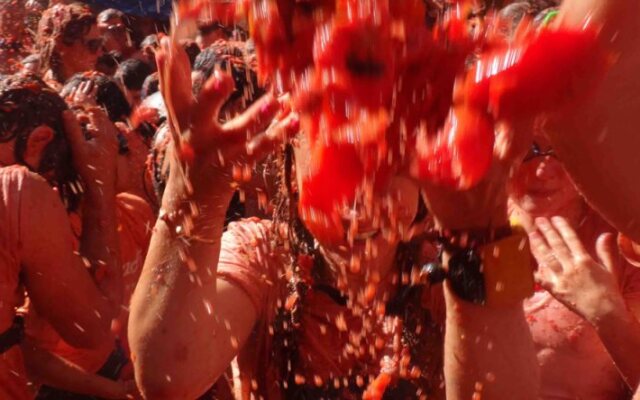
(589, 288)
(489, 350)
(58, 280)
(597, 142)
(185, 326)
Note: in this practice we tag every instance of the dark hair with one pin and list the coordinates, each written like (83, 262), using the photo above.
(133, 72)
(150, 41)
(230, 58)
(150, 86)
(421, 336)
(109, 95)
(193, 50)
(108, 63)
(110, 13)
(61, 24)
(26, 102)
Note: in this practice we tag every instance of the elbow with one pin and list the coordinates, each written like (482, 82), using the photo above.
(153, 384)
(159, 376)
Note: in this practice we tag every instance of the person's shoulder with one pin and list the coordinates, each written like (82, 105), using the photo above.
(18, 177)
(251, 230)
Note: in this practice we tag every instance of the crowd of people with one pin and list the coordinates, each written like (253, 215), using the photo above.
(151, 243)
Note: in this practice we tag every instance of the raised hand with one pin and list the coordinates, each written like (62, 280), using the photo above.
(210, 156)
(587, 286)
(83, 95)
(94, 148)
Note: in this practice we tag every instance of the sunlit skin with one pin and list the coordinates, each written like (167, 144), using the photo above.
(46, 248)
(467, 363)
(78, 57)
(541, 187)
(114, 32)
(541, 192)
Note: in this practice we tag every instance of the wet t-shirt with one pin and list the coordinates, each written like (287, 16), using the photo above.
(134, 218)
(330, 349)
(14, 184)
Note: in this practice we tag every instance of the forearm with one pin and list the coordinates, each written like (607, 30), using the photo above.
(50, 370)
(604, 128)
(619, 331)
(489, 351)
(99, 244)
(174, 306)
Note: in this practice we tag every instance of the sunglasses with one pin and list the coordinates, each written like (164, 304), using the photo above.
(536, 151)
(93, 45)
(118, 29)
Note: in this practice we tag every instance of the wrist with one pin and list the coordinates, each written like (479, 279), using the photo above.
(489, 267)
(611, 311)
(180, 190)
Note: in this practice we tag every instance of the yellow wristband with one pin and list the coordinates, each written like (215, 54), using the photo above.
(507, 269)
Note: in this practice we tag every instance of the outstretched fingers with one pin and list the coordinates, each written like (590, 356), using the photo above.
(558, 247)
(569, 237)
(264, 143)
(214, 94)
(543, 253)
(72, 129)
(608, 253)
(255, 120)
(175, 76)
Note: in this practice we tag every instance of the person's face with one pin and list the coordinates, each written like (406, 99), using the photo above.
(83, 54)
(541, 186)
(372, 231)
(114, 32)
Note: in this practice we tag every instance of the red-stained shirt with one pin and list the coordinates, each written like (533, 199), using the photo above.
(328, 343)
(14, 183)
(134, 217)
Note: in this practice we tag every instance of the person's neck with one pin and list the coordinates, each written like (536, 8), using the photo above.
(352, 276)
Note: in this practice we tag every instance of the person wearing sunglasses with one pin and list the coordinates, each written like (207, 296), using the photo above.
(68, 41)
(113, 29)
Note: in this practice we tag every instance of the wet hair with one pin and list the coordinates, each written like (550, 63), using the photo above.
(150, 41)
(132, 73)
(61, 24)
(230, 58)
(421, 335)
(150, 86)
(26, 102)
(193, 50)
(110, 13)
(109, 95)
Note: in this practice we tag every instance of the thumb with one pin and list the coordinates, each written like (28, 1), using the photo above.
(72, 129)
(607, 251)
